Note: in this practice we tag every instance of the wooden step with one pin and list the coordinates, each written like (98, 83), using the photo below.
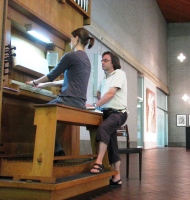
(86, 156)
(63, 188)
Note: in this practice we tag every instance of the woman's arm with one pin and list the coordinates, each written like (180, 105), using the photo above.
(44, 82)
(37, 81)
(50, 84)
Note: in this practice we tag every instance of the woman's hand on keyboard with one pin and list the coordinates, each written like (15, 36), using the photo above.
(44, 85)
(50, 84)
(30, 83)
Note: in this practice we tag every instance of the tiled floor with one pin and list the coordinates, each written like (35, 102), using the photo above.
(165, 176)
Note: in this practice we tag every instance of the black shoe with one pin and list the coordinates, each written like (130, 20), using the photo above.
(60, 153)
(115, 184)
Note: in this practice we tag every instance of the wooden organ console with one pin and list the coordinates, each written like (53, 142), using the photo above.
(42, 173)
(28, 168)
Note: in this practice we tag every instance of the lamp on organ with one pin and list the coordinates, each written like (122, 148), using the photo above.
(36, 34)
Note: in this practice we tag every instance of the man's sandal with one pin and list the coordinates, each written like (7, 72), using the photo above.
(115, 184)
(98, 167)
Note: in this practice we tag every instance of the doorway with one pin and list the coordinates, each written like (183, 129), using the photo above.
(140, 111)
(162, 119)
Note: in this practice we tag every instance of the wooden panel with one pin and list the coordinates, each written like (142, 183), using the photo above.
(3, 16)
(17, 129)
(63, 18)
(26, 95)
(17, 123)
(70, 138)
(19, 20)
(3, 30)
(11, 168)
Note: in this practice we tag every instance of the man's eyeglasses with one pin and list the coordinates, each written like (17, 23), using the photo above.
(105, 60)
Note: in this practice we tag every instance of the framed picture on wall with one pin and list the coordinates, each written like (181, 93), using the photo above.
(150, 111)
(181, 120)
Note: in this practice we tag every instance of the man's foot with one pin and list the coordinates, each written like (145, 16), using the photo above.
(60, 153)
(115, 184)
(97, 169)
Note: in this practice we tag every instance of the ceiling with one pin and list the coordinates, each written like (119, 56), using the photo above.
(175, 11)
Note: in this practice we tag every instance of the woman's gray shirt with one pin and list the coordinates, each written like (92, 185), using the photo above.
(76, 68)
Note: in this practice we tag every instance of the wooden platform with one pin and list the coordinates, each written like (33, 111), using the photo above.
(63, 188)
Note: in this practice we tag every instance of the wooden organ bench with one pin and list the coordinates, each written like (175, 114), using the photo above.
(42, 176)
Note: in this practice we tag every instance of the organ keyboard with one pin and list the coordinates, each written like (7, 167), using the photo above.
(30, 88)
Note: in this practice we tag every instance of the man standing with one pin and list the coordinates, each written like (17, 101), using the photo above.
(112, 100)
